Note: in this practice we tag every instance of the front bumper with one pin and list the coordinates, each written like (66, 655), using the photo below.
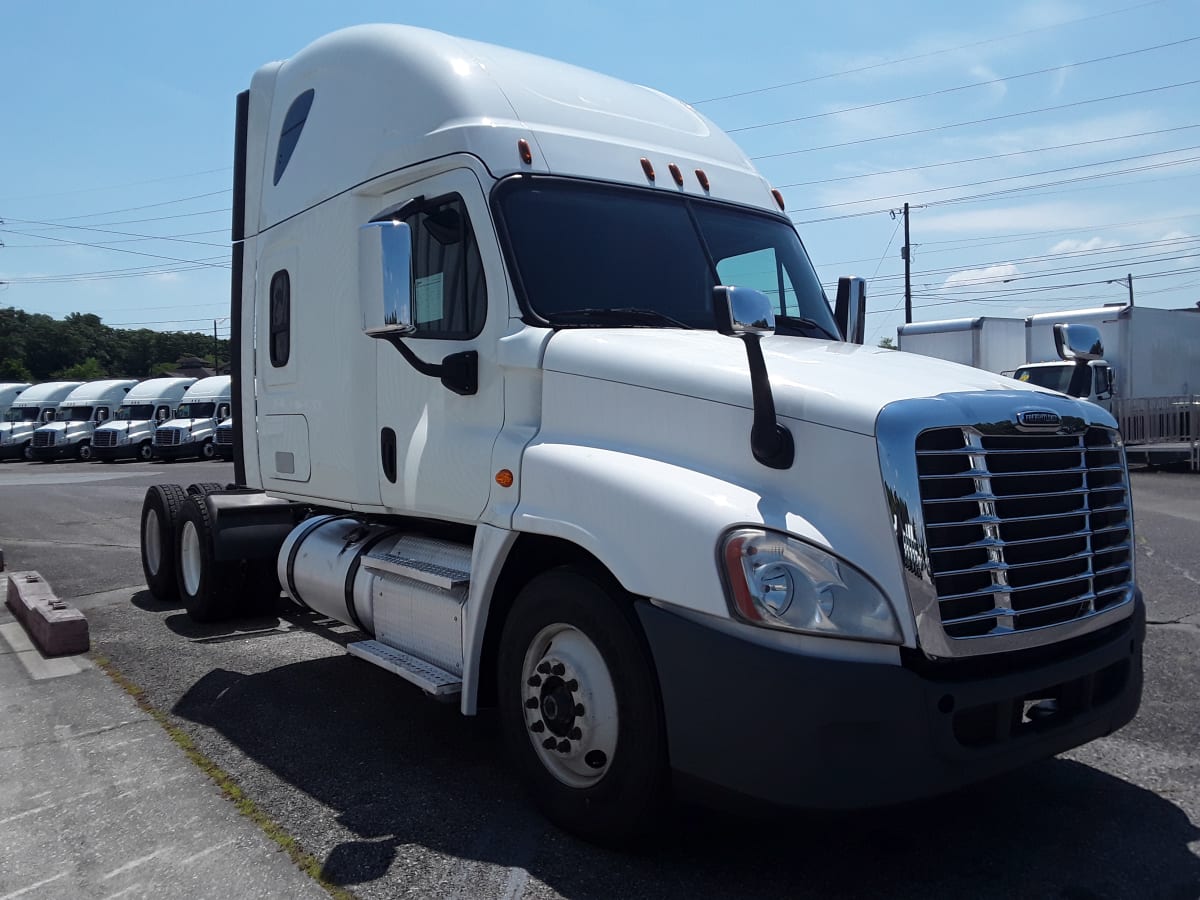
(178, 451)
(748, 722)
(119, 451)
(57, 451)
(13, 451)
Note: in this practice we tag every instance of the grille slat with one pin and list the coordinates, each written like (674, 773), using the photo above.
(104, 439)
(43, 439)
(168, 437)
(1043, 531)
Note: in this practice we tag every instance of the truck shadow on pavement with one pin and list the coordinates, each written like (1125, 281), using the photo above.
(405, 775)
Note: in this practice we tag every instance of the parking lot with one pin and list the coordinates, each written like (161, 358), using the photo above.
(395, 795)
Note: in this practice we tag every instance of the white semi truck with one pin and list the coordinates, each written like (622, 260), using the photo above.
(536, 386)
(190, 432)
(9, 392)
(223, 441)
(1147, 352)
(992, 343)
(35, 407)
(81, 412)
(130, 435)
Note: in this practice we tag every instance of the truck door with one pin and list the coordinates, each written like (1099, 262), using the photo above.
(435, 446)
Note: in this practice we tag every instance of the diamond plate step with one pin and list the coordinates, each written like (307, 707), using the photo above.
(429, 573)
(426, 676)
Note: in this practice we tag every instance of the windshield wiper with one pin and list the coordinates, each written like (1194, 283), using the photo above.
(793, 325)
(615, 315)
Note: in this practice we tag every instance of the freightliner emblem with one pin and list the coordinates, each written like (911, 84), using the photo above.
(1039, 418)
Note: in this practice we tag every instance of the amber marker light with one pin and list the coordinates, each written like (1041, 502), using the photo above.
(676, 174)
(778, 197)
(647, 168)
(504, 478)
(526, 153)
(703, 179)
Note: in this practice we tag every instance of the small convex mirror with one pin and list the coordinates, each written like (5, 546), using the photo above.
(385, 278)
(1078, 342)
(741, 310)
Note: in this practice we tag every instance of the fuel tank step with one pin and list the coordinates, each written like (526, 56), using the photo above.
(426, 676)
(422, 570)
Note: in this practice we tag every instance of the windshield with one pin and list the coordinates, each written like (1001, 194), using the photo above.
(22, 414)
(195, 411)
(138, 412)
(1066, 379)
(649, 256)
(76, 413)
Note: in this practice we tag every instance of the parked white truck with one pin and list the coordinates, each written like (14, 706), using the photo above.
(1147, 352)
(536, 386)
(992, 343)
(88, 406)
(9, 392)
(36, 406)
(191, 431)
(223, 442)
(131, 433)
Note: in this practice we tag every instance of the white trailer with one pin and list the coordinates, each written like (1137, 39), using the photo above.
(35, 407)
(536, 387)
(9, 392)
(88, 406)
(190, 432)
(992, 343)
(1150, 353)
(131, 433)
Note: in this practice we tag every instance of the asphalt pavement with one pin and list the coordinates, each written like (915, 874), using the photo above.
(395, 795)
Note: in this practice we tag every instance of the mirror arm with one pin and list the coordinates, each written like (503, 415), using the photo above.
(770, 441)
(459, 372)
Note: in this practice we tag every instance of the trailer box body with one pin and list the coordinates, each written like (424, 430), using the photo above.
(992, 343)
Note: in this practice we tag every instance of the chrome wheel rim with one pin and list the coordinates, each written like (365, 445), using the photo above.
(152, 541)
(570, 705)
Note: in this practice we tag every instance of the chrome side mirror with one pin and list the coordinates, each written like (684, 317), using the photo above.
(1078, 342)
(850, 308)
(741, 310)
(385, 273)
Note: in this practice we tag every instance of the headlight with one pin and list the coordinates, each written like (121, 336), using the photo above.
(780, 582)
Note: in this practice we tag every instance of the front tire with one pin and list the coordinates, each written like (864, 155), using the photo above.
(27, 451)
(145, 451)
(160, 519)
(83, 452)
(580, 707)
(207, 451)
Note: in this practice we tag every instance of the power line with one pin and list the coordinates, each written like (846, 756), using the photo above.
(112, 212)
(961, 87)
(203, 212)
(113, 187)
(135, 240)
(996, 118)
(931, 53)
(121, 250)
(148, 237)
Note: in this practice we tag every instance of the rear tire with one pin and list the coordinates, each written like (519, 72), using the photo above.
(160, 519)
(203, 582)
(580, 707)
(204, 488)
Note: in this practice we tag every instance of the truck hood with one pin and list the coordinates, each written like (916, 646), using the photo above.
(70, 429)
(824, 382)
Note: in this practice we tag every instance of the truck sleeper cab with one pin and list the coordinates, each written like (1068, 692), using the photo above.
(130, 434)
(191, 430)
(597, 450)
(35, 407)
(9, 392)
(85, 408)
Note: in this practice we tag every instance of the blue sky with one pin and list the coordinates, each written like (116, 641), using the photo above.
(118, 118)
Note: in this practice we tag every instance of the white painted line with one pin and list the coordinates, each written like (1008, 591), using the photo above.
(28, 812)
(132, 887)
(133, 864)
(33, 887)
(203, 853)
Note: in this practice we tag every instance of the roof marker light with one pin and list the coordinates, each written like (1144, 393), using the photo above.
(676, 174)
(647, 168)
(703, 179)
(778, 197)
(526, 153)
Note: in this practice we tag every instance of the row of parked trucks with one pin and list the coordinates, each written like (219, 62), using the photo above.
(160, 418)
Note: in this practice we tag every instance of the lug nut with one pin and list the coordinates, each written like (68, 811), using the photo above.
(575, 734)
(558, 669)
(532, 703)
(564, 746)
(539, 726)
(549, 743)
(579, 709)
(572, 685)
(534, 681)
(544, 668)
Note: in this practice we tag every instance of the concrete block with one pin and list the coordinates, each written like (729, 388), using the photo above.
(55, 626)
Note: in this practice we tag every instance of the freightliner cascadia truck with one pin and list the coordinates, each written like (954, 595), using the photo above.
(35, 407)
(536, 386)
(147, 405)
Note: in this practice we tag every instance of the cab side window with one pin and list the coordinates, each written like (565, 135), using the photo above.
(162, 414)
(449, 293)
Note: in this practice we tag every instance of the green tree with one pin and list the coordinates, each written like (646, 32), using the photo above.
(887, 343)
(88, 370)
(14, 370)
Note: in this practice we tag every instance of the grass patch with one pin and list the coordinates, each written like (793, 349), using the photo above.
(304, 861)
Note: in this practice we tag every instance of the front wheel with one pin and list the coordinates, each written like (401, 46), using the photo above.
(580, 707)
(84, 451)
(145, 451)
(207, 451)
(27, 451)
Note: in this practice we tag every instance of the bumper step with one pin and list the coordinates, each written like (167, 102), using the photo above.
(427, 677)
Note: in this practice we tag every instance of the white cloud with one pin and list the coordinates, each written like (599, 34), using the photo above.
(989, 275)
(1060, 80)
(1175, 235)
(1032, 217)
(1072, 245)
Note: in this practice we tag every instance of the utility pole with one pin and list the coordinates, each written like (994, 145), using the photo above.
(906, 255)
(1130, 277)
(216, 362)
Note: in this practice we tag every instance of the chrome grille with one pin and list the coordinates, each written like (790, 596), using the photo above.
(43, 439)
(224, 436)
(104, 438)
(1024, 531)
(168, 437)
